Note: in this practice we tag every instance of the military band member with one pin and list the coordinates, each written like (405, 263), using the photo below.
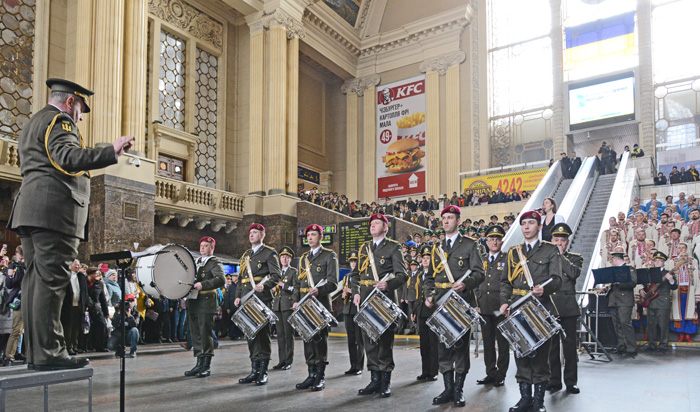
(567, 306)
(421, 313)
(462, 255)
(282, 306)
(388, 260)
(427, 236)
(659, 309)
(411, 294)
(263, 262)
(489, 300)
(356, 346)
(621, 304)
(315, 265)
(201, 306)
(544, 262)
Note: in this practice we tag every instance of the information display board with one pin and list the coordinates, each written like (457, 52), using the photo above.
(352, 235)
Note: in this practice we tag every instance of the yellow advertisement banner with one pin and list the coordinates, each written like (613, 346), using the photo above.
(522, 180)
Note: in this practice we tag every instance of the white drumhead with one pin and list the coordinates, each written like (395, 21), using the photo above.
(163, 273)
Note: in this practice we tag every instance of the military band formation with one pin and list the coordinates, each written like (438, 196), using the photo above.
(452, 281)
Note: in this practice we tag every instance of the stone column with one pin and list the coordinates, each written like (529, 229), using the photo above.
(369, 138)
(324, 184)
(255, 134)
(276, 132)
(647, 134)
(558, 136)
(134, 95)
(432, 138)
(107, 63)
(292, 112)
(351, 140)
(453, 133)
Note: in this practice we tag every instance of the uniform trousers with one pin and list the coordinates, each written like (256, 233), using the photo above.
(622, 322)
(47, 256)
(201, 326)
(380, 355)
(316, 353)
(569, 347)
(260, 347)
(285, 337)
(428, 348)
(534, 370)
(455, 358)
(356, 345)
(496, 362)
(657, 325)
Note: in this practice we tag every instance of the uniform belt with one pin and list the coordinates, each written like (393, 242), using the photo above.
(304, 290)
(520, 292)
(204, 292)
(368, 282)
(247, 280)
(446, 285)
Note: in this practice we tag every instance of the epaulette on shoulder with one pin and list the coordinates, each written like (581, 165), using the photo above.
(392, 241)
(270, 247)
(327, 249)
(574, 254)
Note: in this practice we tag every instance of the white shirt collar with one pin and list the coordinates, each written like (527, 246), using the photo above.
(315, 251)
(494, 255)
(376, 243)
(255, 249)
(533, 244)
(453, 238)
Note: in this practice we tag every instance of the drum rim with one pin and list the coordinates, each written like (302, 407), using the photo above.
(152, 270)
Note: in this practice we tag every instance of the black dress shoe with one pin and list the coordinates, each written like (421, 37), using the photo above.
(499, 382)
(278, 366)
(432, 378)
(353, 371)
(422, 377)
(30, 366)
(68, 362)
(286, 366)
(487, 380)
(573, 389)
(72, 352)
(553, 388)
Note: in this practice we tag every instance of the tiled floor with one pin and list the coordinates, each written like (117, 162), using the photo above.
(155, 382)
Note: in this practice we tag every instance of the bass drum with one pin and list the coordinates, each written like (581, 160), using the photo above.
(160, 275)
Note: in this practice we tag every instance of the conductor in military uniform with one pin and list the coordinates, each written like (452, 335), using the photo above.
(420, 315)
(50, 213)
(282, 306)
(659, 310)
(316, 265)
(356, 346)
(201, 306)
(542, 262)
(621, 304)
(567, 306)
(263, 262)
(461, 255)
(388, 260)
(489, 301)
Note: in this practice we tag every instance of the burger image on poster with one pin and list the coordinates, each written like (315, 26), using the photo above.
(403, 156)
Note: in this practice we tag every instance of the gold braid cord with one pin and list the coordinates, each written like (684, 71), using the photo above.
(516, 271)
(302, 271)
(365, 263)
(244, 266)
(46, 145)
(440, 267)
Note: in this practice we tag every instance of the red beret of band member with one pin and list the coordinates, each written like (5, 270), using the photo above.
(451, 209)
(317, 228)
(208, 239)
(256, 226)
(378, 216)
(532, 214)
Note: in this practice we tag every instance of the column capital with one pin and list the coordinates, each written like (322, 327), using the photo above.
(442, 63)
(255, 22)
(279, 17)
(359, 85)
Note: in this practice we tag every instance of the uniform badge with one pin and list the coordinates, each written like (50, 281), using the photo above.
(318, 268)
(381, 261)
(460, 263)
(259, 265)
(66, 126)
(501, 265)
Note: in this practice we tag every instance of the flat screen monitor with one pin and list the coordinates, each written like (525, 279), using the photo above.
(602, 101)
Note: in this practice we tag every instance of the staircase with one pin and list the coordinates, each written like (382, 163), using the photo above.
(561, 190)
(586, 234)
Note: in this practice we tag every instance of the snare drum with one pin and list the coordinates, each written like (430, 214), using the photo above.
(252, 316)
(310, 317)
(528, 327)
(452, 319)
(377, 314)
(160, 275)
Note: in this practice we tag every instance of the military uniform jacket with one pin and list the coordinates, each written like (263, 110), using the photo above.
(49, 198)
(544, 262)
(565, 298)
(387, 259)
(322, 266)
(462, 256)
(349, 308)
(622, 294)
(262, 263)
(412, 287)
(211, 275)
(422, 311)
(283, 295)
(663, 301)
(488, 295)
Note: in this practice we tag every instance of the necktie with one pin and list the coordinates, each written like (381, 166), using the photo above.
(449, 244)
(492, 258)
(374, 246)
(529, 248)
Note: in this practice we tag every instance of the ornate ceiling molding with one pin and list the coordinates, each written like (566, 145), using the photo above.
(358, 86)
(280, 18)
(315, 21)
(190, 19)
(442, 63)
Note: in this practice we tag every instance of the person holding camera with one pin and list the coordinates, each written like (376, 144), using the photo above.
(131, 320)
(13, 283)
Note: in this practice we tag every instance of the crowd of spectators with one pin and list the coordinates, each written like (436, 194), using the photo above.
(676, 176)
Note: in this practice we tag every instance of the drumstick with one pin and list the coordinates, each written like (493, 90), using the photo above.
(184, 283)
(521, 300)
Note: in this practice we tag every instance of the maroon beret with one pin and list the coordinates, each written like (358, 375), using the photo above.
(315, 227)
(208, 239)
(256, 226)
(532, 214)
(378, 216)
(451, 209)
